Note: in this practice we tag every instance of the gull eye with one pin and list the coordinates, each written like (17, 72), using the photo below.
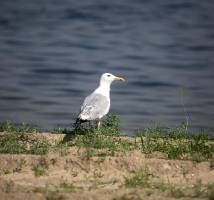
(108, 75)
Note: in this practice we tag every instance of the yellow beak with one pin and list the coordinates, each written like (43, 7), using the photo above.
(118, 78)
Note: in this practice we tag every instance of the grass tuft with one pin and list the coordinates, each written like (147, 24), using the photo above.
(41, 167)
(176, 143)
(141, 178)
(56, 192)
(22, 140)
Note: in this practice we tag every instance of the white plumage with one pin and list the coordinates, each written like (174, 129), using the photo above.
(97, 104)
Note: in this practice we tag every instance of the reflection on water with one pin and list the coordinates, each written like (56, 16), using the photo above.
(52, 54)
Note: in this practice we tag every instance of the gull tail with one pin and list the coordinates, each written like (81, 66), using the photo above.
(79, 121)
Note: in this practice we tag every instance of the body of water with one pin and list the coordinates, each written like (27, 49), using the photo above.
(52, 54)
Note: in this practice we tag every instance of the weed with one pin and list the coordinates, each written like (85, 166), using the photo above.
(145, 179)
(198, 189)
(210, 192)
(8, 126)
(11, 143)
(61, 130)
(89, 136)
(181, 94)
(212, 164)
(56, 192)
(41, 167)
(67, 187)
(98, 174)
(54, 195)
(175, 192)
(6, 171)
(87, 154)
(176, 143)
(110, 126)
(40, 147)
(53, 161)
(100, 160)
(8, 187)
(28, 128)
(21, 163)
(23, 142)
(62, 148)
(130, 196)
(140, 178)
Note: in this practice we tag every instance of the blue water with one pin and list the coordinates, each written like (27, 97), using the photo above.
(53, 52)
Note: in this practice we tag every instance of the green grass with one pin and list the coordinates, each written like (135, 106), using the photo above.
(23, 143)
(130, 196)
(8, 186)
(8, 126)
(144, 179)
(50, 193)
(21, 139)
(56, 192)
(174, 143)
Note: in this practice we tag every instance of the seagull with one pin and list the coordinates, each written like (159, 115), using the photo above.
(97, 104)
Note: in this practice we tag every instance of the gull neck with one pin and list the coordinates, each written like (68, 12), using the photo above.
(104, 89)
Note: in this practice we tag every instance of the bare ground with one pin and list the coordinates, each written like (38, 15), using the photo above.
(70, 174)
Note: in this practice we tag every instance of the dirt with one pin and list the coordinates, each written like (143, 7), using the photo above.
(70, 175)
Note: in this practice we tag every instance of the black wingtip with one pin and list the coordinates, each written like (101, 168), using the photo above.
(78, 120)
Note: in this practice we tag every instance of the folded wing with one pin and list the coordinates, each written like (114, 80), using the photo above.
(95, 106)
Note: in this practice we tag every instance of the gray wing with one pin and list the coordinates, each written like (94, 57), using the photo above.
(94, 106)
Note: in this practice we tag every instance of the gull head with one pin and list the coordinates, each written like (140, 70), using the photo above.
(108, 78)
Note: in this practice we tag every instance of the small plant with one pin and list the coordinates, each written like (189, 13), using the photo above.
(100, 160)
(98, 174)
(87, 154)
(20, 141)
(39, 170)
(141, 178)
(212, 164)
(67, 187)
(6, 171)
(130, 196)
(7, 126)
(21, 163)
(176, 143)
(175, 192)
(61, 130)
(198, 189)
(56, 192)
(111, 125)
(41, 167)
(53, 161)
(210, 192)
(27, 128)
(186, 123)
(8, 187)
(62, 148)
